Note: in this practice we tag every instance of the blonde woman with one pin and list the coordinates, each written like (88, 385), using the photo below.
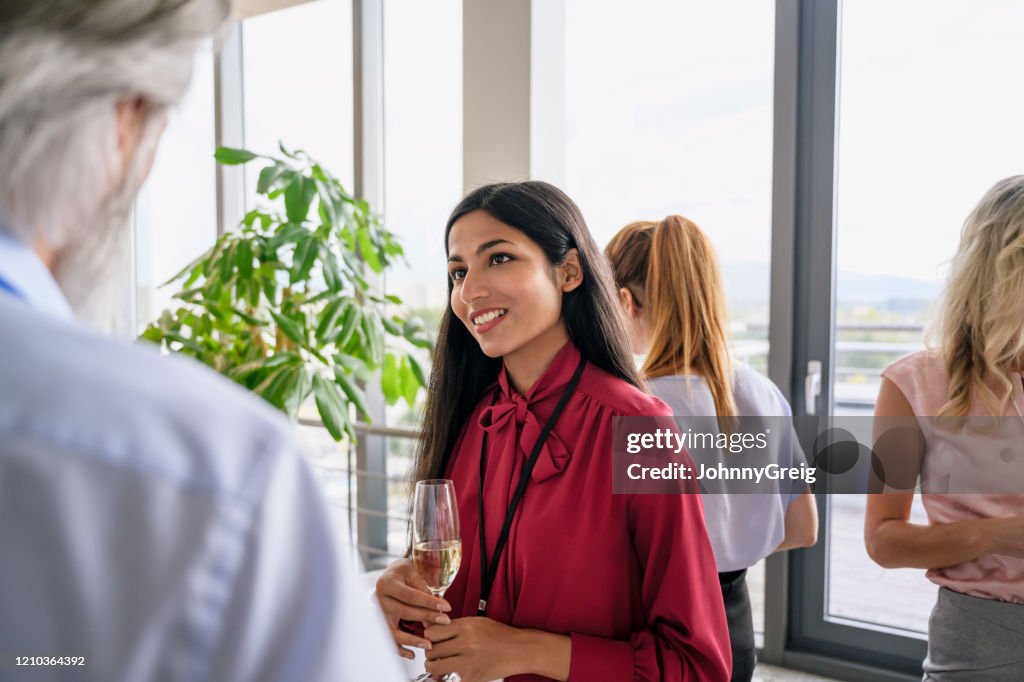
(670, 286)
(973, 544)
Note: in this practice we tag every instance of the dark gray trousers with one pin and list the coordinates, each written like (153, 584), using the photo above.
(971, 639)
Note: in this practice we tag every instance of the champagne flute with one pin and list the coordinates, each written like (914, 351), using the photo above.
(436, 541)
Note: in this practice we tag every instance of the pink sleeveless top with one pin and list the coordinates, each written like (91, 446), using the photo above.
(923, 380)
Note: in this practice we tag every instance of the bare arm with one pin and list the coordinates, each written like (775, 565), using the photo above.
(892, 541)
(801, 523)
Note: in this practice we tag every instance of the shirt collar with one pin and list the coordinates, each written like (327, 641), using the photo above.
(21, 268)
(552, 381)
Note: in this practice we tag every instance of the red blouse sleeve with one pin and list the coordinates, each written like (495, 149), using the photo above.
(687, 637)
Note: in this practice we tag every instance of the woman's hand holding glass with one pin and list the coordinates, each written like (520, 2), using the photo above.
(404, 595)
(478, 649)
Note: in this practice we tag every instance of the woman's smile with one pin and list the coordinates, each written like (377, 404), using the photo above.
(487, 319)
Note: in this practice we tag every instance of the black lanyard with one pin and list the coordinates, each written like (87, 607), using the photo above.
(490, 569)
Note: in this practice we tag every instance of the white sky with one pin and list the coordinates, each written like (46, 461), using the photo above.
(670, 110)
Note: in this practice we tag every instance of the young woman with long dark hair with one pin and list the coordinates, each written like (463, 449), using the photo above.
(670, 286)
(531, 366)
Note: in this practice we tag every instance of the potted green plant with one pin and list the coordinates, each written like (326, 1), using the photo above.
(283, 303)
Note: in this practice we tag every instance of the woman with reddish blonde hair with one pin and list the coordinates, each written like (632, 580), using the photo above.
(671, 289)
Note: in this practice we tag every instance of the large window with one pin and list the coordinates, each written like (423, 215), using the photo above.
(423, 182)
(928, 121)
(298, 84)
(176, 212)
(422, 142)
(669, 109)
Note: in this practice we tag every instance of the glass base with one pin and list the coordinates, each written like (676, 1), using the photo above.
(448, 677)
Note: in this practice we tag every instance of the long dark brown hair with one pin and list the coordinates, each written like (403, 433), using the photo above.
(461, 373)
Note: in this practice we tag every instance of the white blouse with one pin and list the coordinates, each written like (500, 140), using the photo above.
(744, 528)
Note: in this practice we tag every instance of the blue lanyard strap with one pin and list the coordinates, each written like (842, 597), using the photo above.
(7, 287)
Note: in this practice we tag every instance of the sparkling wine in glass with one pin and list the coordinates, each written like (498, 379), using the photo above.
(436, 541)
(437, 562)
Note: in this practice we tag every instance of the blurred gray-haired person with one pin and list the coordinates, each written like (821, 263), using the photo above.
(156, 521)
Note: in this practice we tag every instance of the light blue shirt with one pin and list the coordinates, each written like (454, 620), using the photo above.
(156, 518)
(744, 528)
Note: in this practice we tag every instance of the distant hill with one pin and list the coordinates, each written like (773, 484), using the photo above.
(749, 283)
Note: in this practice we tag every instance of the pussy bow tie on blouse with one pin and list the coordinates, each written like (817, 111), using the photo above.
(511, 411)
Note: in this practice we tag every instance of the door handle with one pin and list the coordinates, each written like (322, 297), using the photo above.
(812, 386)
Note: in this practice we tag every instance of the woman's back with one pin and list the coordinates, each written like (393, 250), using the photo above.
(744, 528)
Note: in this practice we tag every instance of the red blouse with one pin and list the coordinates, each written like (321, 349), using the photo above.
(630, 578)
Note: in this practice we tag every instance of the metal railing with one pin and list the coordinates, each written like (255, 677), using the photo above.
(333, 461)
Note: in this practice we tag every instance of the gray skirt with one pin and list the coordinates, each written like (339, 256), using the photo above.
(974, 639)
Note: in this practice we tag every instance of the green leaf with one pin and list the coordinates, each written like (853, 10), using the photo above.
(370, 325)
(352, 392)
(287, 233)
(249, 218)
(242, 372)
(153, 334)
(250, 319)
(272, 380)
(186, 343)
(332, 273)
(412, 326)
(422, 342)
(282, 358)
(227, 263)
(293, 193)
(329, 318)
(349, 322)
(410, 383)
(331, 406)
(189, 295)
(253, 293)
(393, 299)
(303, 259)
(280, 145)
(325, 295)
(290, 327)
(269, 177)
(328, 200)
(269, 286)
(356, 348)
(193, 277)
(391, 379)
(243, 259)
(284, 388)
(232, 157)
(391, 327)
(298, 195)
(368, 251)
(191, 268)
(414, 365)
(296, 391)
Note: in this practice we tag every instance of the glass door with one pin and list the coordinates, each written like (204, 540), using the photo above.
(925, 122)
(687, 131)
(928, 122)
